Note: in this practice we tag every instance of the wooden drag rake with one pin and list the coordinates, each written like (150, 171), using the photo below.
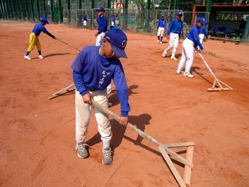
(219, 82)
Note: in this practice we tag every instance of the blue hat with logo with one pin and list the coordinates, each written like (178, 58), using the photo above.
(100, 9)
(44, 20)
(179, 13)
(201, 20)
(163, 15)
(118, 41)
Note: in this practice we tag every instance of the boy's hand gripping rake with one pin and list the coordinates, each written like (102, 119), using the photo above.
(164, 149)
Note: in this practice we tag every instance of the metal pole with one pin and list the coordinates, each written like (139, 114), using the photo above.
(12, 10)
(208, 9)
(27, 10)
(32, 11)
(244, 39)
(17, 10)
(2, 11)
(147, 20)
(69, 12)
(92, 13)
(22, 12)
(79, 13)
(38, 10)
(52, 11)
(176, 4)
(60, 13)
(44, 8)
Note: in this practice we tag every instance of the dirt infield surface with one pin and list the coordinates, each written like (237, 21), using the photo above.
(37, 145)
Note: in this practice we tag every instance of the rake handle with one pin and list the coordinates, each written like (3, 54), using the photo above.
(67, 44)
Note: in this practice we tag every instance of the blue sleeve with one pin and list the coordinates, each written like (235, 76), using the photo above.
(43, 29)
(158, 24)
(77, 66)
(102, 25)
(79, 83)
(165, 25)
(180, 33)
(196, 38)
(123, 98)
(170, 27)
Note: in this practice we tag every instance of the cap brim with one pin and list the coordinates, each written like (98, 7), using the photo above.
(46, 22)
(118, 52)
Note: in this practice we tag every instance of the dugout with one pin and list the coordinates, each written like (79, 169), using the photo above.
(225, 20)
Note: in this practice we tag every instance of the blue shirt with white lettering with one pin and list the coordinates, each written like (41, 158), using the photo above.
(94, 72)
(175, 26)
(102, 22)
(193, 35)
(162, 23)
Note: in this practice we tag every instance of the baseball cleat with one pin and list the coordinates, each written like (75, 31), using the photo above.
(164, 54)
(187, 74)
(179, 72)
(27, 57)
(173, 58)
(107, 156)
(40, 56)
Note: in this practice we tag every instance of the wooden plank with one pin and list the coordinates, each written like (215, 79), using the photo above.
(173, 145)
(172, 167)
(62, 92)
(187, 169)
(218, 89)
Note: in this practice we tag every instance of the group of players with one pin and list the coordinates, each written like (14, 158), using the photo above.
(96, 66)
(195, 38)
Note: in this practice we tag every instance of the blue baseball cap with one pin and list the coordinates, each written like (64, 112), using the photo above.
(163, 15)
(118, 41)
(179, 13)
(201, 20)
(44, 20)
(113, 27)
(100, 9)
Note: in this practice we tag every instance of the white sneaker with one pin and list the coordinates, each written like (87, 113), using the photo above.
(173, 58)
(40, 56)
(164, 54)
(187, 74)
(179, 72)
(158, 41)
(161, 42)
(27, 57)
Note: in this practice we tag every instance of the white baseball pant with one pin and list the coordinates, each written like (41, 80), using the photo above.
(201, 39)
(113, 23)
(160, 31)
(83, 114)
(173, 43)
(99, 37)
(187, 55)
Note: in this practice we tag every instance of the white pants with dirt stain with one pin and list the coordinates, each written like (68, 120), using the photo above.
(173, 43)
(83, 114)
(99, 37)
(187, 55)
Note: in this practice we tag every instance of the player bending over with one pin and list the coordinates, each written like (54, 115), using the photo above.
(34, 40)
(93, 70)
(188, 48)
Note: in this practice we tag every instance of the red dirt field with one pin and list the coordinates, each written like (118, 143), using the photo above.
(37, 145)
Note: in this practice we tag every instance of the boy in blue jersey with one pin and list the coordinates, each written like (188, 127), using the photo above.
(102, 25)
(202, 34)
(85, 21)
(188, 48)
(174, 31)
(113, 20)
(93, 70)
(161, 27)
(34, 40)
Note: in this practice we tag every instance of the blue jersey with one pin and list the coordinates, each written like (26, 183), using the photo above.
(94, 72)
(113, 19)
(38, 28)
(85, 18)
(193, 36)
(203, 30)
(175, 26)
(102, 22)
(162, 23)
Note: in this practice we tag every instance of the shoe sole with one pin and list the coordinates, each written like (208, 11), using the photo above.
(187, 76)
(106, 164)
